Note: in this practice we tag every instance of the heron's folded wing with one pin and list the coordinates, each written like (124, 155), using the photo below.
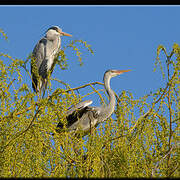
(39, 51)
(79, 106)
(75, 112)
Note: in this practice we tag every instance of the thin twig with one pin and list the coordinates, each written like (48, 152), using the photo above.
(83, 86)
(170, 110)
(21, 133)
(97, 93)
(130, 130)
(72, 89)
(54, 79)
(71, 159)
(174, 169)
(157, 164)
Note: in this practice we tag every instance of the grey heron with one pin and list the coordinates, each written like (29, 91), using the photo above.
(84, 117)
(43, 56)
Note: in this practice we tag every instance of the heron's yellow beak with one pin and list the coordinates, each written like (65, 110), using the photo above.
(66, 34)
(122, 71)
(63, 33)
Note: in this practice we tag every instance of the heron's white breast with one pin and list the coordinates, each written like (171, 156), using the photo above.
(49, 63)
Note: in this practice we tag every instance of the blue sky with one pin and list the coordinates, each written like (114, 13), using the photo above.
(122, 37)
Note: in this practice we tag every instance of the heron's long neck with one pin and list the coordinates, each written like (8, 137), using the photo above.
(112, 99)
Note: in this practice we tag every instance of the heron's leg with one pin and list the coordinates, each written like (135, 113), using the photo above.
(43, 93)
(45, 87)
(39, 84)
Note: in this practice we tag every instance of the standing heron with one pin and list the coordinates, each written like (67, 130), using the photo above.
(43, 57)
(84, 117)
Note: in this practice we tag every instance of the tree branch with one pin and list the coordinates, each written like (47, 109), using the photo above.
(58, 91)
(157, 164)
(21, 133)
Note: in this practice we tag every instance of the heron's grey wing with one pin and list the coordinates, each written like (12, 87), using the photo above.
(39, 51)
(38, 54)
(41, 54)
(82, 112)
(79, 106)
(75, 112)
(85, 119)
(50, 49)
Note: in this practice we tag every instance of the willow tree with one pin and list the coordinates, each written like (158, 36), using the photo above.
(140, 141)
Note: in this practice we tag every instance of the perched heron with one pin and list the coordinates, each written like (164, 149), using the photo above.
(84, 117)
(43, 57)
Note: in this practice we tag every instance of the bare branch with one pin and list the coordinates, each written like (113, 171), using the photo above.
(59, 91)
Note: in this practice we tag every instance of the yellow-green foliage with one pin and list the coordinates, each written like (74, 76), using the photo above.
(140, 141)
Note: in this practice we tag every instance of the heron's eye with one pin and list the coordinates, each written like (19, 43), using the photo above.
(54, 28)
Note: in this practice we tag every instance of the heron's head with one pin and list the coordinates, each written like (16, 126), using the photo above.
(55, 30)
(112, 73)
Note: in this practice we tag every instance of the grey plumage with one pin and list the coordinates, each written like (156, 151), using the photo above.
(84, 117)
(44, 54)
